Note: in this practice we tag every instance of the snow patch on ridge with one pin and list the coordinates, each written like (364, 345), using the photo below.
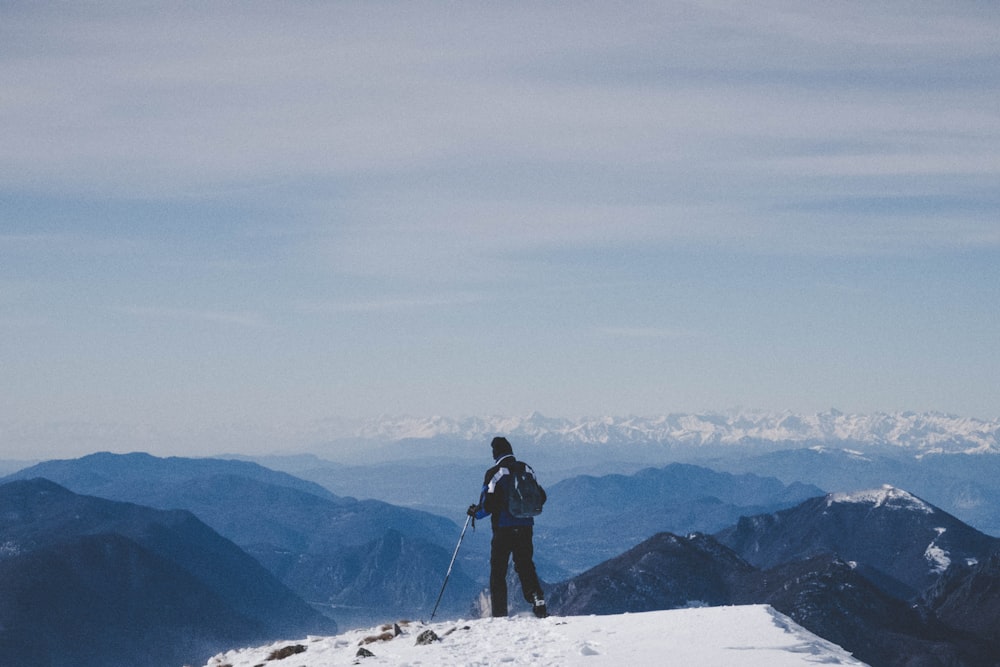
(939, 559)
(9, 549)
(925, 433)
(888, 496)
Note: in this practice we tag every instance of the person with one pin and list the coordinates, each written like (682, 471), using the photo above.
(512, 536)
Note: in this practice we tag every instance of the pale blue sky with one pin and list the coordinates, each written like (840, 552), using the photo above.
(222, 224)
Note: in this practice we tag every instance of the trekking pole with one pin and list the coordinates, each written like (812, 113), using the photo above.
(452, 563)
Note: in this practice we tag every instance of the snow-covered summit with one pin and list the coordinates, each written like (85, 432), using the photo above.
(922, 432)
(888, 496)
(754, 635)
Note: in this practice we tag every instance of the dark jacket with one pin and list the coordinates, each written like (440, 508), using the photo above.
(493, 498)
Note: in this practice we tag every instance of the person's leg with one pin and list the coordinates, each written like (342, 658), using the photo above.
(524, 549)
(500, 550)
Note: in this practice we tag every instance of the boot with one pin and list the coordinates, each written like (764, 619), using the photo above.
(539, 607)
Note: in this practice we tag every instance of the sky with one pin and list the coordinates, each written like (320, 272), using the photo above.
(223, 225)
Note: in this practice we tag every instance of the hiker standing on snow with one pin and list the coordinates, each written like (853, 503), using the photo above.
(512, 535)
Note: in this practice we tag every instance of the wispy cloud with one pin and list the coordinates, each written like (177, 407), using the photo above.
(528, 116)
(646, 332)
(239, 319)
(388, 304)
(68, 243)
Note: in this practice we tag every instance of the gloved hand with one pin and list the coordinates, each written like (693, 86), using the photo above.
(472, 510)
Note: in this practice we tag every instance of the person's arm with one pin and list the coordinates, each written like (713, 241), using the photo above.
(493, 498)
(480, 511)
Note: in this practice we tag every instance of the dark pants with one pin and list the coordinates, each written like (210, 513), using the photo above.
(514, 541)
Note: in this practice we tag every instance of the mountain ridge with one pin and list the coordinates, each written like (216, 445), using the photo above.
(293, 528)
(82, 578)
(851, 567)
(923, 432)
(901, 542)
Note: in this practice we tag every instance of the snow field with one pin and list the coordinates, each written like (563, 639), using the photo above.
(750, 636)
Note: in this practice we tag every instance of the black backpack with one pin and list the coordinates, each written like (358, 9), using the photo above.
(525, 496)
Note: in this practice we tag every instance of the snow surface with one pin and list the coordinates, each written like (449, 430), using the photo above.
(924, 433)
(888, 496)
(938, 557)
(749, 636)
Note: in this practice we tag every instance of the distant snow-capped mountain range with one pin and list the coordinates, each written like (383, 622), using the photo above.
(925, 433)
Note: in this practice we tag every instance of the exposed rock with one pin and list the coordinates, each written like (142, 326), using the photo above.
(427, 637)
(286, 651)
